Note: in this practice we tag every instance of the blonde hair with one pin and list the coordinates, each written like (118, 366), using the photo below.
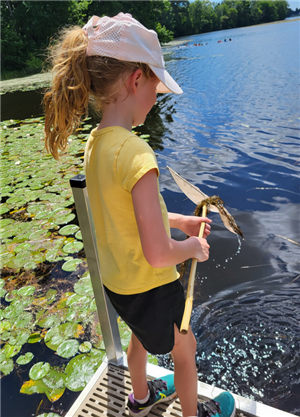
(77, 78)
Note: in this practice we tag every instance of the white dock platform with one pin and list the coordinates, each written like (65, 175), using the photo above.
(107, 392)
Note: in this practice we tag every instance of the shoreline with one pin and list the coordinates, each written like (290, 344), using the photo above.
(42, 80)
(29, 83)
(181, 40)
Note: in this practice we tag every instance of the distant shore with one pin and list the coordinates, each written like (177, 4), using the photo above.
(180, 41)
(42, 80)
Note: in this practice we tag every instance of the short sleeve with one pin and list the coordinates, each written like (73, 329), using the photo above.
(134, 160)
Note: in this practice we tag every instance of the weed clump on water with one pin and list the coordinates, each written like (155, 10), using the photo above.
(226, 217)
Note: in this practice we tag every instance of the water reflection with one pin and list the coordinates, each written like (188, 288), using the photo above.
(236, 134)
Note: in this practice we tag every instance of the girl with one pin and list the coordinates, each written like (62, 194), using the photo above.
(119, 64)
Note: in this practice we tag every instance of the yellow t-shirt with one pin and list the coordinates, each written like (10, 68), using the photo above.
(115, 159)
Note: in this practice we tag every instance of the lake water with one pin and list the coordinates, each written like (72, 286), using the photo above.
(235, 133)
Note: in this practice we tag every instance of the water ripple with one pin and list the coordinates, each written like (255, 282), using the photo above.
(251, 344)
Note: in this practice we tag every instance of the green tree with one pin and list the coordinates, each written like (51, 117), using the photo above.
(105, 8)
(209, 18)
(13, 54)
(164, 35)
(256, 13)
(202, 16)
(195, 14)
(244, 13)
(269, 11)
(282, 9)
(180, 10)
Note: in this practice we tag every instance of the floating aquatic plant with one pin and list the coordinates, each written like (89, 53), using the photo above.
(25, 359)
(48, 415)
(39, 370)
(39, 233)
(36, 199)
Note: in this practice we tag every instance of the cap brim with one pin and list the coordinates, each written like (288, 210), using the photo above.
(167, 83)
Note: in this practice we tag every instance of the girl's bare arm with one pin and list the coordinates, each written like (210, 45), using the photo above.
(160, 250)
(190, 225)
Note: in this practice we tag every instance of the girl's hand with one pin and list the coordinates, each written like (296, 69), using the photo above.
(202, 249)
(190, 225)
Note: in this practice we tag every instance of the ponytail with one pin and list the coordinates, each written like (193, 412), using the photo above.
(77, 76)
(67, 100)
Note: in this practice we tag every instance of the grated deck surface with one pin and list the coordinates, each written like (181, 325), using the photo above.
(109, 397)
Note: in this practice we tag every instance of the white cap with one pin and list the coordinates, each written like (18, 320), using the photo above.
(124, 38)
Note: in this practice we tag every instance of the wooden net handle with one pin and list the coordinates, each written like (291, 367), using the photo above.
(190, 291)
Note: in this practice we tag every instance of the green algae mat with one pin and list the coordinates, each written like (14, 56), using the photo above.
(45, 289)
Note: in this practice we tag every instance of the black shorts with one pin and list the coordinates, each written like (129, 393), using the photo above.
(151, 315)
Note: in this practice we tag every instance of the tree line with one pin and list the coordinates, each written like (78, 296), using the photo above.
(27, 27)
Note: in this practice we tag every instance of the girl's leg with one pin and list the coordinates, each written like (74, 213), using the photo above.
(185, 372)
(137, 365)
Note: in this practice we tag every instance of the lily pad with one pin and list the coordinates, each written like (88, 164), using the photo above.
(85, 347)
(26, 291)
(14, 309)
(65, 219)
(24, 359)
(50, 321)
(62, 332)
(53, 255)
(30, 265)
(24, 319)
(19, 337)
(71, 265)
(93, 306)
(78, 235)
(10, 296)
(39, 370)
(4, 326)
(6, 366)
(77, 299)
(73, 247)
(5, 335)
(152, 359)
(36, 208)
(5, 258)
(2, 292)
(68, 348)
(51, 295)
(11, 351)
(77, 313)
(68, 230)
(38, 234)
(34, 338)
(33, 387)
(4, 208)
(20, 260)
(54, 394)
(22, 247)
(5, 222)
(54, 379)
(84, 286)
(80, 370)
(48, 415)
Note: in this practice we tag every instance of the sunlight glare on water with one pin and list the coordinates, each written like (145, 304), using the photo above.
(235, 133)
